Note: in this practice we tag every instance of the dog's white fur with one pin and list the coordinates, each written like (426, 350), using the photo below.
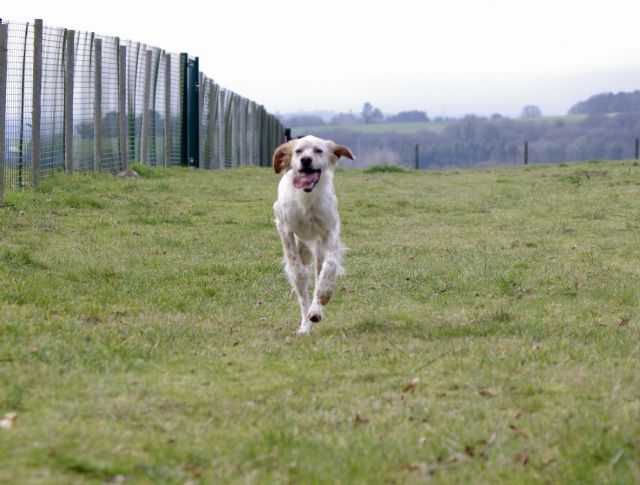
(307, 220)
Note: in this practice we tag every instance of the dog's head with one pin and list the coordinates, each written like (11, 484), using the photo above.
(308, 157)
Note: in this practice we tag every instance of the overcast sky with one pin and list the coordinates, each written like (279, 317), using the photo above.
(447, 57)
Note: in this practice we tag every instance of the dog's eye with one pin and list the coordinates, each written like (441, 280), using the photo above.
(318, 151)
(299, 151)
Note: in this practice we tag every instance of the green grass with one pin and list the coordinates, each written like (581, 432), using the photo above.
(436, 127)
(376, 128)
(385, 168)
(146, 331)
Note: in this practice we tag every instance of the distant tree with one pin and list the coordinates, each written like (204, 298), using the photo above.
(496, 117)
(85, 129)
(344, 119)
(531, 111)
(408, 117)
(371, 114)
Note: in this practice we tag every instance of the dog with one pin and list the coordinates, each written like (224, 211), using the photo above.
(306, 216)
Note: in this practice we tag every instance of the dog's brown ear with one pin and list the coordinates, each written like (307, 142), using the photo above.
(282, 157)
(341, 151)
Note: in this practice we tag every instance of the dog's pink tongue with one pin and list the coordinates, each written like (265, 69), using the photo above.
(306, 180)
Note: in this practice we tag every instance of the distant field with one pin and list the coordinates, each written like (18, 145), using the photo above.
(487, 331)
(434, 126)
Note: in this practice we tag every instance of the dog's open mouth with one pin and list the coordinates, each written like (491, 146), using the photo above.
(306, 179)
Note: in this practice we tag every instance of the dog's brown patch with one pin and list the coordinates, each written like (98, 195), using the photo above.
(341, 151)
(282, 157)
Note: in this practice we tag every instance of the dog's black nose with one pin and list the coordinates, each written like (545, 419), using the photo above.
(306, 162)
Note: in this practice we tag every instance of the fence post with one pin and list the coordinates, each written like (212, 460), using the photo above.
(213, 110)
(146, 97)
(416, 157)
(36, 144)
(122, 103)
(526, 153)
(97, 107)
(243, 131)
(201, 132)
(234, 130)
(223, 128)
(167, 111)
(251, 132)
(68, 100)
(637, 148)
(4, 47)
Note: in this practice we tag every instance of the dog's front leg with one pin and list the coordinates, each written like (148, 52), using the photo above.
(328, 267)
(298, 276)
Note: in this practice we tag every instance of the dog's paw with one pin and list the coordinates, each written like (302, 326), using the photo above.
(315, 313)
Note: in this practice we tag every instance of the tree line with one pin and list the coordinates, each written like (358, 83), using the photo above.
(474, 141)
(608, 103)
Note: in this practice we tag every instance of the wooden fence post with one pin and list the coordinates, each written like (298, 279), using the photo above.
(637, 148)
(122, 103)
(146, 99)
(4, 47)
(97, 107)
(416, 157)
(68, 100)
(526, 152)
(251, 129)
(243, 131)
(213, 112)
(36, 142)
(223, 128)
(234, 130)
(202, 133)
(168, 158)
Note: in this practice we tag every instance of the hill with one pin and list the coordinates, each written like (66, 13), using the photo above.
(608, 103)
(486, 331)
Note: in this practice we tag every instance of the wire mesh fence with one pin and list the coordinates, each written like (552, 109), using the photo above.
(78, 101)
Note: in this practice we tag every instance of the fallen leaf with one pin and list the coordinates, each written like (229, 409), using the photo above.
(518, 431)
(486, 393)
(411, 385)
(623, 321)
(521, 457)
(418, 466)
(7, 421)
(469, 451)
(359, 421)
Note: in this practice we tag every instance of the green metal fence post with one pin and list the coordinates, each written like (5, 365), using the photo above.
(97, 107)
(68, 100)
(122, 103)
(36, 105)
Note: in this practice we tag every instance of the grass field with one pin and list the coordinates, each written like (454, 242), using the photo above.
(434, 126)
(376, 128)
(487, 331)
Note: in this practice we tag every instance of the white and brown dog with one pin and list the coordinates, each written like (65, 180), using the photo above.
(307, 220)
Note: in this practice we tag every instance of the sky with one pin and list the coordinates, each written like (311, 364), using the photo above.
(445, 57)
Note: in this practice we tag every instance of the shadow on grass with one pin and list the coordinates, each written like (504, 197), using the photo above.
(497, 324)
